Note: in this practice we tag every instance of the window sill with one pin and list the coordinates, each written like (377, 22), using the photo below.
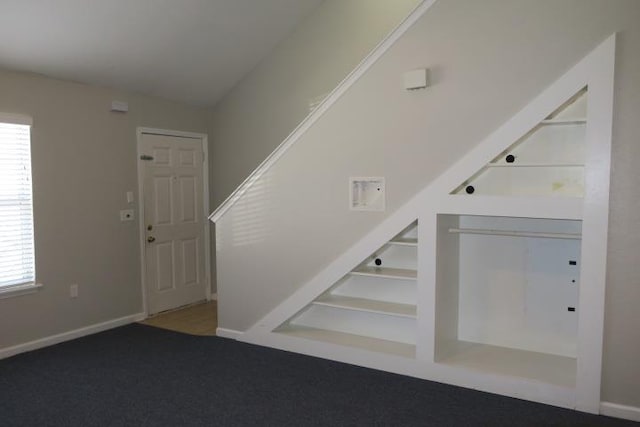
(19, 290)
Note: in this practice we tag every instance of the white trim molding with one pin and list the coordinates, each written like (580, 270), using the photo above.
(169, 132)
(19, 290)
(323, 107)
(16, 119)
(620, 411)
(228, 333)
(70, 335)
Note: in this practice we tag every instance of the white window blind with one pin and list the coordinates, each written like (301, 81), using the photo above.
(16, 210)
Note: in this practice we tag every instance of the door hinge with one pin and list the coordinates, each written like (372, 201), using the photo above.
(146, 157)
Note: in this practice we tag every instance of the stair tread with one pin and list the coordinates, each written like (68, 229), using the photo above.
(386, 272)
(350, 340)
(565, 121)
(404, 241)
(368, 305)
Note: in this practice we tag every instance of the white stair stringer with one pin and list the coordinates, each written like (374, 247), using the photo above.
(595, 71)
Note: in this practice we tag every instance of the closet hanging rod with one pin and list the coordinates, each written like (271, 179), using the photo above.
(574, 236)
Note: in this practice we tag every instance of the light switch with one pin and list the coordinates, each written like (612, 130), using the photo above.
(129, 196)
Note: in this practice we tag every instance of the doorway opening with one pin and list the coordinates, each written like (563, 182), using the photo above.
(173, 209)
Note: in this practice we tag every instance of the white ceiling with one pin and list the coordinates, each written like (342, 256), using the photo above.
(191, 51)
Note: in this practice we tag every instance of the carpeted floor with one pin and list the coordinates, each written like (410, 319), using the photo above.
(138, 375)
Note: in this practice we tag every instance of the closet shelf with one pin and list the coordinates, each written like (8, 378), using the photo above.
(386, 273)
(351, 340)
(547, 368)
(404, 241)
(576, 121)
(515, 233)
(367, 305)
(535, 165)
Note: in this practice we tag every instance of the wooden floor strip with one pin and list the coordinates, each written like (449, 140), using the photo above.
(200, 319)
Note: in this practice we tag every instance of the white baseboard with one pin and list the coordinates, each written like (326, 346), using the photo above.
(213, 297)
(66, 336)
(228, 333)
(620, 411)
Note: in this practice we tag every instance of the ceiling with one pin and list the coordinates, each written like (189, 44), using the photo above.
(192, 51)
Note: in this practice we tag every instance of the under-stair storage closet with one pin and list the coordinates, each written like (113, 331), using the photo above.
(507, 288)
(507, 295)
(373, 307)
(547, 161)
(501, 288)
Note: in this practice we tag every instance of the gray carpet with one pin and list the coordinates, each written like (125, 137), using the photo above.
(142, 376)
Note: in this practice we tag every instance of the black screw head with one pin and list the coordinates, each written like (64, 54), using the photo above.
(469, 189)
(510, 158)
(378, 261)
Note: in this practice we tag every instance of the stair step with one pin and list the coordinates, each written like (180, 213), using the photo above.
(350, 340)
(386, 273)
(575, 121)
(367, 305)
(404, 241)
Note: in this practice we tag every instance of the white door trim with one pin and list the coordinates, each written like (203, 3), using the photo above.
(205, 203)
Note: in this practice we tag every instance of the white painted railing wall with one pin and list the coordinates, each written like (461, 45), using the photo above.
(487, 60)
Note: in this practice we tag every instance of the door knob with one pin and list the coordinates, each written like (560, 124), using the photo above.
(151, 239)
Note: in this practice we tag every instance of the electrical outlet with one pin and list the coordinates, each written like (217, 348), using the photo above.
(73, 290)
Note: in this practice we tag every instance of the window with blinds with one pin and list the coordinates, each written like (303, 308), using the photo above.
(16, 210)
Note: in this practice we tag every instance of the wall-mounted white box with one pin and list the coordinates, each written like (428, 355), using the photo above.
(416, 79)
(366, 193)
(119, 106)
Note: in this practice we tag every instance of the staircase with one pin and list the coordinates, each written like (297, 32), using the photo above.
(373, 307)
(480, 280)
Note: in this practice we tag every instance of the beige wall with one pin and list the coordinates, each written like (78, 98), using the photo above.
(84, 162)
(257, 115)
(488, 59)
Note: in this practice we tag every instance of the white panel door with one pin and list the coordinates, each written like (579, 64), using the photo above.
(173, 221)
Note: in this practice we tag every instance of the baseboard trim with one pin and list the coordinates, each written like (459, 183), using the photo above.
(620, 411)
(70, 335)
(213, 297)
(228, 333)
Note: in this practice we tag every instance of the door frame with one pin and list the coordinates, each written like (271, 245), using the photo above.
(205, 205)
